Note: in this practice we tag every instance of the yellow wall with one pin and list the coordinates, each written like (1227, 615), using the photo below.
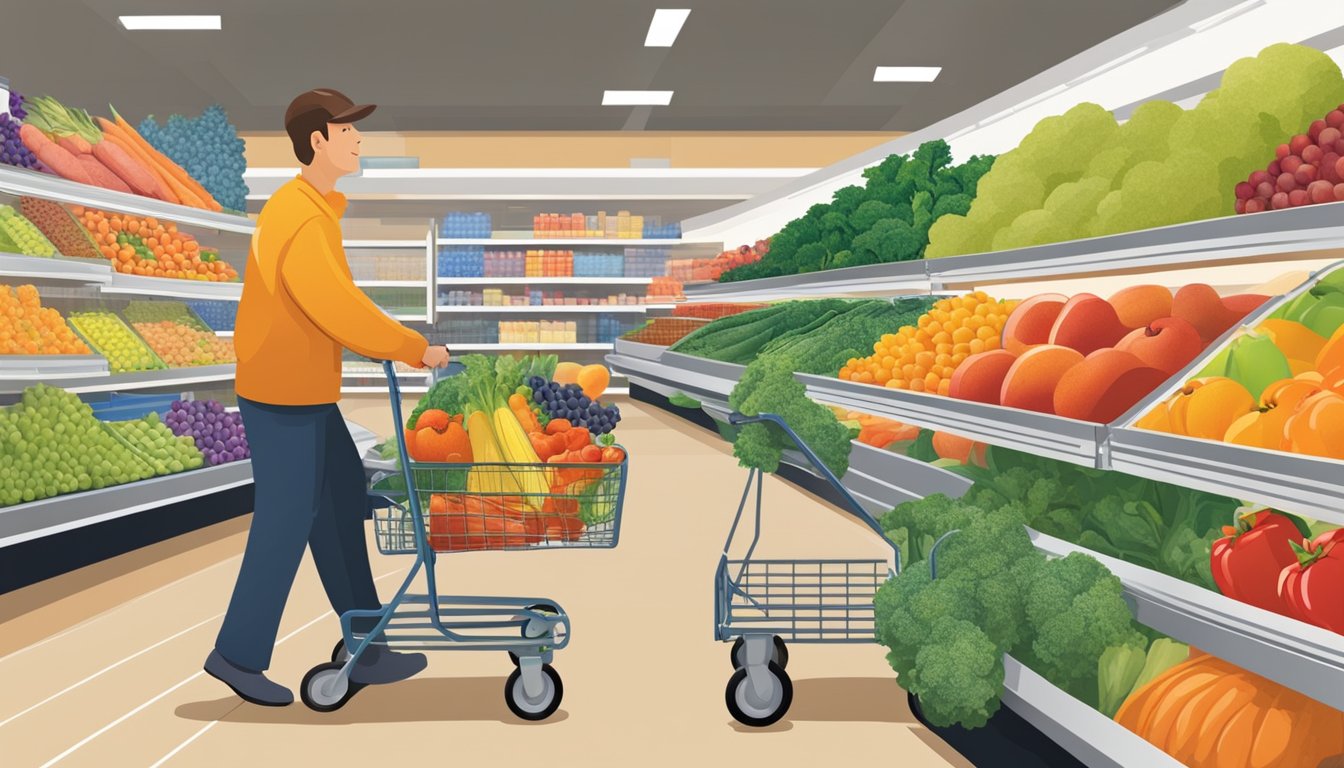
(592, 150)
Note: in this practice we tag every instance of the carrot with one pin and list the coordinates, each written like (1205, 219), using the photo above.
(184, 195)
(175, 171)
(54, 156)
(126, 168)
(113, 134)
(75, 145)
(102, 175)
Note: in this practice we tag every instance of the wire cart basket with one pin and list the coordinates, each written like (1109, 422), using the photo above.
(761, 605)
(425, 510)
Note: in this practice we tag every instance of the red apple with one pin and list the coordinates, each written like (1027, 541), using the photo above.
(1287, 182)
(1306, 173)
(1265, 189)
(1168, 344)
(1257, 204)
(1282, 151)
(1290, 164)
(1274, 170)
(1321, 192)
(1315, 130)
(1313, 154)
(1299, 143)
(1335, 119)
(1279, 201)
(1298, 197)
(1245, 191)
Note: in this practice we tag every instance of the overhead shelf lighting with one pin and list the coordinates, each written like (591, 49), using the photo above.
(198, 22)
(665, 27)
(906, 74)
(636, 98)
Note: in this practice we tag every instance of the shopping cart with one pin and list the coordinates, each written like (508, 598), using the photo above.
(429, 509)
(759, 604)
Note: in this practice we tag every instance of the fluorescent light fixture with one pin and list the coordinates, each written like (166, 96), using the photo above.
(905, 74)
(1220, 17)
(636, 98)
(665, 27)
(137, 23)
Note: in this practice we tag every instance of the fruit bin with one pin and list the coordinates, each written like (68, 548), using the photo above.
(123, 407)
(1311, 485)
(125, 351)
(177, 335)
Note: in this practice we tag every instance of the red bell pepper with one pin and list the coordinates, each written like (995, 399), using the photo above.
(1247, 561)
(1313, 587)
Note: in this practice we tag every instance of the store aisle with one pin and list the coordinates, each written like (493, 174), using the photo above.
(116, 681)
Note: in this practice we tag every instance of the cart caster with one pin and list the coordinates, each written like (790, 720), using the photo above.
(340, 654)
(759, 708)
(325, 689)
(533, 629)
(780, 655)
(540, 706)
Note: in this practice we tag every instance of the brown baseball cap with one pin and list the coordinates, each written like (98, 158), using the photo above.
(329, 104)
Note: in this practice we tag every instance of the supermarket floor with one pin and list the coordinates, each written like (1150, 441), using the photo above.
(102, 667)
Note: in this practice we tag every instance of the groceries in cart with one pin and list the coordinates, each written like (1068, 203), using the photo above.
(512, 453)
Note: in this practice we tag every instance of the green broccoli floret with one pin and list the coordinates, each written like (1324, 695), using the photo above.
(451, 394)
(916, 525)
(889, 240)
(907, 607)
(768, 386)
(1075, 608)
(958, 675)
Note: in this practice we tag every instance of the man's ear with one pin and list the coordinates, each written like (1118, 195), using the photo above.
(316, 139)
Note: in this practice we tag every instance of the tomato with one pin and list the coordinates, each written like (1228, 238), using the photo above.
(612, 455)
(1313, 587)
(590, 454)
(1247, 561)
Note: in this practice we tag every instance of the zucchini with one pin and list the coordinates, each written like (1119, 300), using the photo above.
(743, 351)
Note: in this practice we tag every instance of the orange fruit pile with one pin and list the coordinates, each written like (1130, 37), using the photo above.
(28, 328)
(176, 254)
(922, 359)
(180, 345)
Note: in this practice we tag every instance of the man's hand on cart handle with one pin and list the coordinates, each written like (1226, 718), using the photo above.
(436, 356)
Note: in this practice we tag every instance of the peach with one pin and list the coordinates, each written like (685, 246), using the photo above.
(1167, 344)
(1104, 385)
(1031, 321)
(1249, 430)
(1199, 305)
(1212, 407)
(1139, 305)
(1087, 323)
(1030, 382)
(955, 447)
(1331, 356)
(1316, 428)
(980, 376)
(1157, 420)
(1244, 304)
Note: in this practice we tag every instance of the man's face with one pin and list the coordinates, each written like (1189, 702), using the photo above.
(341, 147)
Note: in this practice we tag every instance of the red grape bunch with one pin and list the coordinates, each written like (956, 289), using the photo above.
(1308, 170)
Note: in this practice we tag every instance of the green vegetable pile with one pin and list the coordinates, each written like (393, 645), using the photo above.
(995, 594)
(804, 337)
(886, 220)
(1081, 174)
(453, 393)
(738, 338)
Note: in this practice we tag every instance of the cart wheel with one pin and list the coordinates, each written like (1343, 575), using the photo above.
(514, 658)
(325, 689)
(539, 707)
(340, 653)
(541, 608)
(780, 655)
(759, 711)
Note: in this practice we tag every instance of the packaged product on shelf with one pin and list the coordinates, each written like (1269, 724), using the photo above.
(28, 328)
(109, 337)
(463, 226)
(461, 261)
(176, 335)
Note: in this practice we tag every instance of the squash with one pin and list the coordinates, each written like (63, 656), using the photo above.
(1207, 712)
(593, 379)
(567, 373)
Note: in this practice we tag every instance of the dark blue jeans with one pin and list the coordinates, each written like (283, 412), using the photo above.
(310, 491)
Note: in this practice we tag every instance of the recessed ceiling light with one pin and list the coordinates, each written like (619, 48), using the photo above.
(906, 74)
(665, 27)
(137, 23)
(636, 98)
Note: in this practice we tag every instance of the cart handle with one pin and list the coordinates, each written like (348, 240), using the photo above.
(736, 419)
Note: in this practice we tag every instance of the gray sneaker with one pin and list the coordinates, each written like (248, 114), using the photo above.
(379, 666)
(250, 686)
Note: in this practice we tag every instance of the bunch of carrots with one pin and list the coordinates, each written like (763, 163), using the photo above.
(463, 522)
(109, 154)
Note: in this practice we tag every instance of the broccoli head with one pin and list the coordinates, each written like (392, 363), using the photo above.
(916, 525)
(958, 675)
(768, 386)
(889, 240)
(907, 606)
(1076, 610)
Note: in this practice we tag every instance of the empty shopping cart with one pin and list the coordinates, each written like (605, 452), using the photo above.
(428, 509)
(760, 605)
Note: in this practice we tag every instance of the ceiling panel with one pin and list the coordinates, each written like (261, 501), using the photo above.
(499, 65)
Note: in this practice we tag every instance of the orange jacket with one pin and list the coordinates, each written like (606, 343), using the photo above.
(300, 305)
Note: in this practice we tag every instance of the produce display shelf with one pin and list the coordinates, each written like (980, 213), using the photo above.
(553, 308)
(19, 181)
(904, 277)
(390, 283)
(544, 281)
(409, 317)
(1305, 658)
(82, 271)
(140, 285)
(711, 389)
(539, 242)
(382, 244)
(109, 382)
(1077, 442)
(639, 350)
(530, 347)
(31, 369)
(1093, 738)
(1308, 485)
(36, 519)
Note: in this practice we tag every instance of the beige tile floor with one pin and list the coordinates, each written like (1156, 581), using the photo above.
(102, 667)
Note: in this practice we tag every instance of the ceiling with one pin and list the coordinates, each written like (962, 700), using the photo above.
(502, 65)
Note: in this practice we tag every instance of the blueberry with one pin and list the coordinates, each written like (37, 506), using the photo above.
(584, 401)
(571, 403)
